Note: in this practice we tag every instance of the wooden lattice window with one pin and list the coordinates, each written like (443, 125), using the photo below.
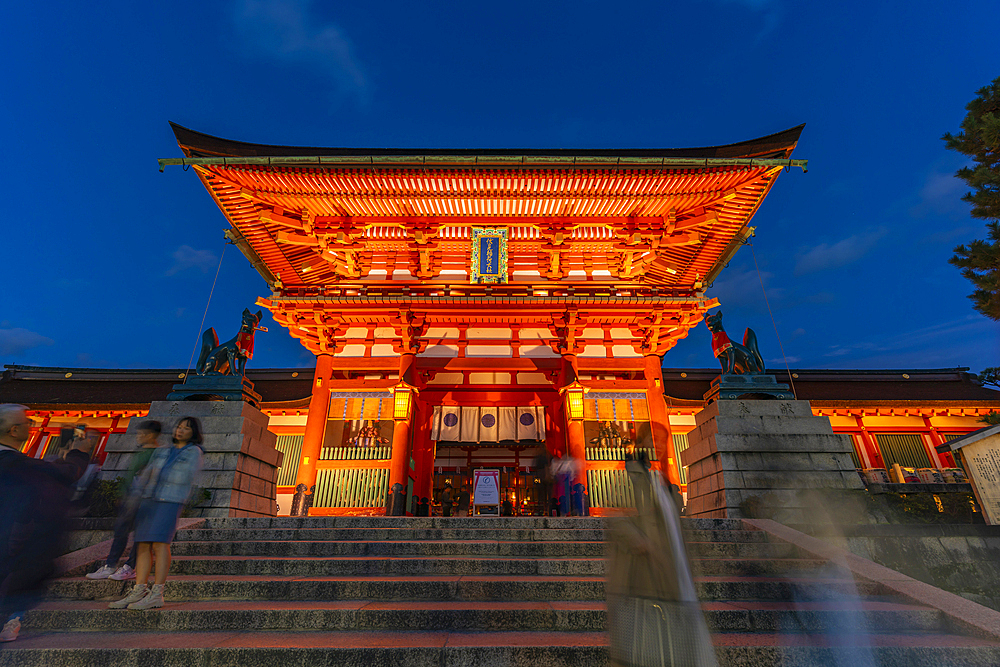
(291, 447)
(680, 444)
(906, 449)
(854, 450)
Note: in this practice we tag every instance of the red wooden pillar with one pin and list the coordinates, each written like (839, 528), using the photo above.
(423, 451)
(555, 442)
(943, 459)
(575, 442)
(319, 407)
(869, 442)
(659, 420)
(31, 447)
(399, 465)
(99, 455)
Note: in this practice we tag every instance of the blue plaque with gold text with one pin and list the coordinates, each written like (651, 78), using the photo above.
(489, 255)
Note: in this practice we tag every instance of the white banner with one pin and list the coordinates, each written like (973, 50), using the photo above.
(470, 424)
(529, 423)
(488, 425)
(452, 423)
(507, 426)
(446, 421)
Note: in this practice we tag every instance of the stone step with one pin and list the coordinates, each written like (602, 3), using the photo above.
(465, 649)
(345, 566)
(884, 650)
(288, 549)
(393, 534)
(359, 542)
(427, 523)
(509, 588)
(766, 567)
(700, 566)
(314, 566)
(387, 547)
(589, 616)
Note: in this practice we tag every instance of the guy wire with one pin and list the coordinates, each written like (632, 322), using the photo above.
(187, 373)
(773, 323)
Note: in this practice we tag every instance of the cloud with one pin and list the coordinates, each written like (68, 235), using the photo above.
(186, 257)
(781, 361)
(941, 194)
(769, 10)
(288, 31)
(826, 256)
(742, 286)
(17, 341)
(941, 336)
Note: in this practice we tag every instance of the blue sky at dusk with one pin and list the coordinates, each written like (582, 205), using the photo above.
(109, 263)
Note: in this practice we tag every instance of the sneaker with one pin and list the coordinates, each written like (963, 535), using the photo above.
(123, 573)
(152, 600)
(103, 573)
(137, 593)
(10, 630)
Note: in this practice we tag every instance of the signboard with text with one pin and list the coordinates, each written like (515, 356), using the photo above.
(980, 452)
(486, 492)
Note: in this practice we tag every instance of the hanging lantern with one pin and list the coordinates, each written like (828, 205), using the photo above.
(402, 401)
(574, 399)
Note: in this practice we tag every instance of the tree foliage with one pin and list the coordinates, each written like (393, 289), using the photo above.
(990, 375)
(980, 140)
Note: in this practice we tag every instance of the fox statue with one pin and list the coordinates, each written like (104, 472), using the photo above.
(230, 357)
(742, 359)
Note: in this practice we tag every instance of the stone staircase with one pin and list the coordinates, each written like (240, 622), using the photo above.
(468, 592)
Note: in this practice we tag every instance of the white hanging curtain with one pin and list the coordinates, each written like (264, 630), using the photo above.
(531, 423)
(470, 424)
(452, 423)
(446, 421)
(488, 430)
(507, 426)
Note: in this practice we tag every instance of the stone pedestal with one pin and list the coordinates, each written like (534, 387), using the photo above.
(771, 450)
(240, 466)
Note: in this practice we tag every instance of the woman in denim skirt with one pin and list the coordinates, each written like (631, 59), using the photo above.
(166, 485)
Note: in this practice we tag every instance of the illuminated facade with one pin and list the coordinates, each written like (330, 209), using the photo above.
(480, 284)
(892, 416)
(476, 308)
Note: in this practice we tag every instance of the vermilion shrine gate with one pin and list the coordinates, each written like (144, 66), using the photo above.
(467, 308)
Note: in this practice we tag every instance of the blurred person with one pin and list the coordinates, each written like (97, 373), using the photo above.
(654, 616)
(543, 468)
(637, 467)
(447, 500)
(567, 468)
(80, 437)
(147, 437)
(463, 501)
(166, 484)
(423, 508)
(35, 497)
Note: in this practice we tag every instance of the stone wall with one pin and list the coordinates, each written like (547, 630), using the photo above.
(742, 450)
(240, 466)
(962, 559)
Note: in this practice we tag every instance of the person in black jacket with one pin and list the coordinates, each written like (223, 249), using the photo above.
(35, 501)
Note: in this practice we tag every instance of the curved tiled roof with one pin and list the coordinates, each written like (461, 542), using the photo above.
(199, 144)
(38, 386)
